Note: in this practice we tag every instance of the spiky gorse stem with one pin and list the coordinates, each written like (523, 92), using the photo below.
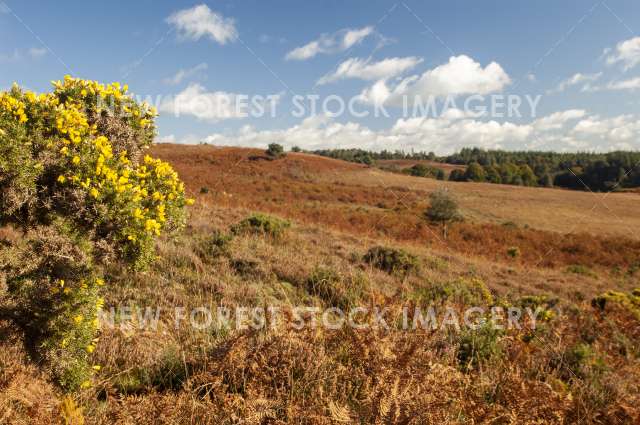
(75, 179)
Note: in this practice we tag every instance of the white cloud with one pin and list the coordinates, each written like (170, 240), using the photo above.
(37, 52)
(626, 52)
(353, 37)
(215, 106)
(632, 84)
(330, 43)
(576, 79)
(365, 69)
(183, 74)
(200, 21)
(557, 120)
(597, 126)
(448, 133)
(20, 54)
(461, 75)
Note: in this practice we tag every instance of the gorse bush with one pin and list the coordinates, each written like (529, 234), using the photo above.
(471, 292)
(627, 301)
(391, 260)
(513, 252)
(262, 224)
(336, 289)
(216, 245)
(479, 345)
(75, 181)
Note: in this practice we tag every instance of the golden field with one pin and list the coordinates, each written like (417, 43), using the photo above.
(581, 364)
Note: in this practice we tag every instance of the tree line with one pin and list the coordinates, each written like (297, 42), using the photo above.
(362, 156)
(578, 171)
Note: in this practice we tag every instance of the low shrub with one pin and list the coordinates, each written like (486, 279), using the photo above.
(628, 301)
(542, 304)
(513, 252)
(581, 270)
(262, 224)
(216, 245)
(391, 260)
(479, 345)
(247, 268)
(462, 291)
(168, 374)
(580, 361)
(335, 289)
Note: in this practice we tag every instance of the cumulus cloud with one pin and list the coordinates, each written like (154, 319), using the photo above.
(330, 43)
(448, 133)
(215, 106)
(184, 74)
(626, 52)
(577, 79)
(365, 69)
(200, 21)
(557, 120)
(461, 75)
(631, 84)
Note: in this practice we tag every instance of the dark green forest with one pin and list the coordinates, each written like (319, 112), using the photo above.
(580, 170)
(598, 172)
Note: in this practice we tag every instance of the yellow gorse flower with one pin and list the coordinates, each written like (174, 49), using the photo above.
(146, 195)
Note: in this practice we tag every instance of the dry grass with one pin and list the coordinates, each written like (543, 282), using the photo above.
(182, 375)
(551, 227)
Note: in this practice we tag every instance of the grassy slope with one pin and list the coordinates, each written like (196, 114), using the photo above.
(554, 227)
(182, 375)
(556, 210)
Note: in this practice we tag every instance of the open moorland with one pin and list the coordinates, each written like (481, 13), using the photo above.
(549, 226)
(554, 250)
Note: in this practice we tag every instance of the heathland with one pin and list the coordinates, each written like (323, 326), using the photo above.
(328, 233)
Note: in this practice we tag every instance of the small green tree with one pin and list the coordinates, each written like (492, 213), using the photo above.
(296, 149)
(275, 151)
(442, 209)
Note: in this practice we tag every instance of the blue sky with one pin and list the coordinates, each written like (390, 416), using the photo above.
(582, 58)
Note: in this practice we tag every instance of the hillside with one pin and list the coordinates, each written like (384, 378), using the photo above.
(546, 224)
(356, 240)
